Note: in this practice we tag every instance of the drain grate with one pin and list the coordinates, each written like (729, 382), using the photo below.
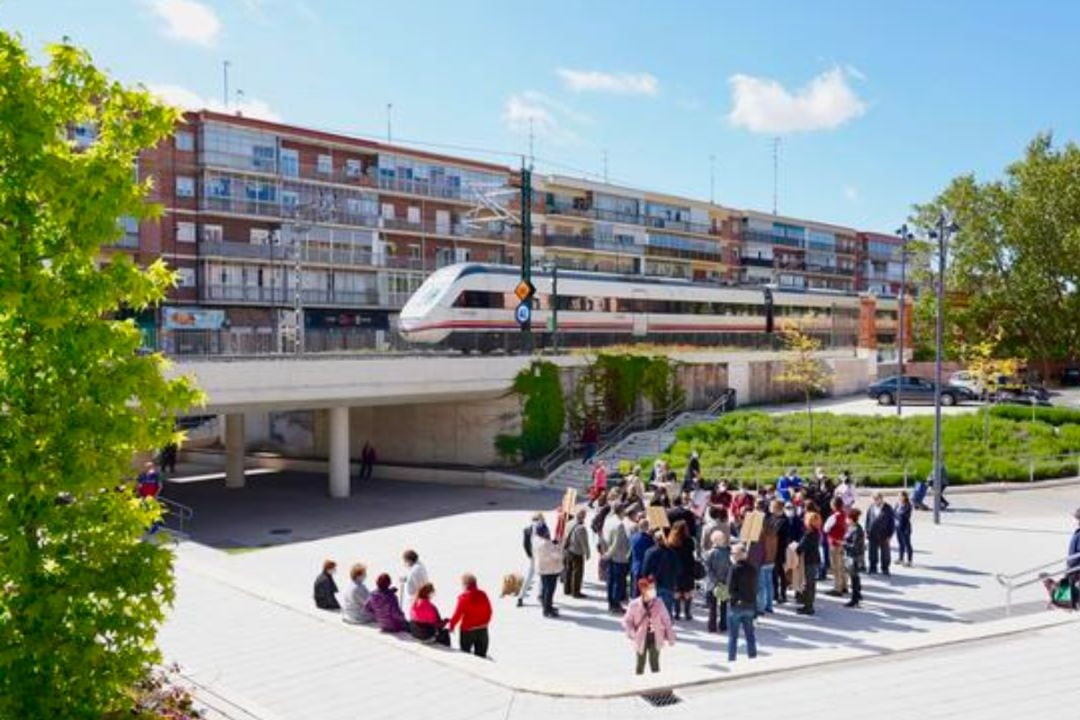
(662, 698)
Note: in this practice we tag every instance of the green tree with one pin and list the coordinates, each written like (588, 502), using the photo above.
(1014, 267)
(80, 594)
(802, 369)
(987, 370)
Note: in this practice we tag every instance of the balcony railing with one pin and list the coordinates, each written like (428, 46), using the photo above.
(286, 295)
(757, 262)
(351, 255)
(633, 219)
(770, 238)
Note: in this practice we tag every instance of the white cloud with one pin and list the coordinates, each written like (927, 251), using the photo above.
(622, 83)
(190, 100)
(851, 192)
(765, 106)
(187, 21)
(550, 118)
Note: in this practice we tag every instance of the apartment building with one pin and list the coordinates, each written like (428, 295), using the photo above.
(262, 218)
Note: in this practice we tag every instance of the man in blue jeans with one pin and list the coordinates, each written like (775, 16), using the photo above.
(742, 603)
(616, 550)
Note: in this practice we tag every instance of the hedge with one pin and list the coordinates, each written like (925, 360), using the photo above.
(1050, 415)
(755, 447)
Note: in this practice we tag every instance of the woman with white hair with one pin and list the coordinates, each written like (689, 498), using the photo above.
(717, 563)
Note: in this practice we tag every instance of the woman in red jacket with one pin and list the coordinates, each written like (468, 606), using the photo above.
(473, 613)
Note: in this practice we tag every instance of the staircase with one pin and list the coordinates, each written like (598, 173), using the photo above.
(635, 445)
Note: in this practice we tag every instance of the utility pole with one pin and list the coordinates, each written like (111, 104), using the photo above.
(526, 255)
(530, 142)
(904, 237)
(298, 289)
(944, 227)
(712, 179)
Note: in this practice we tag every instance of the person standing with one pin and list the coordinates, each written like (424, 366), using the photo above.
(325, 587)
(148, 483)
(770, 549)
(880, 527)
(846, 490)
(640, 542)
(904, 512)
(617, 554)
(590, 439)
(835, 531)
(717, 563)
(414, 578)
(367, 461)
(662, 565)
(854, 552)
(577, 552)
(648, 625)
(742, 596)
(354, 610)
(549, 564)
(530, 567)
(1073, 563)
(473, 615)
(787, 485)
(168, 459)
(682, 543)
(809, 551)
(693, 472)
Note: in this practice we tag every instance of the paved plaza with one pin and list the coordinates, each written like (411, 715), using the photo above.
(244, 630)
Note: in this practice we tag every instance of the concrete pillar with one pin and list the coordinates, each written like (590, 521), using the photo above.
(234, 450)
(339, 452)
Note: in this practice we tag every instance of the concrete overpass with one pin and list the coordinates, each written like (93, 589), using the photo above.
(429, 407)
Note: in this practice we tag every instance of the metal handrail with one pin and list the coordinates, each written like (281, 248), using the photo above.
(1010, 584)
(181, 511)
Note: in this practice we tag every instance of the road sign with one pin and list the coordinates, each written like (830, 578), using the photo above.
(524, 290)
(523, 313)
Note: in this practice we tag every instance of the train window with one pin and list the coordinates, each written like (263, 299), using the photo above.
(480, 299)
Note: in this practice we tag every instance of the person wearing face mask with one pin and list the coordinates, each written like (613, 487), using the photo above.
(325, 588)
(648, 625)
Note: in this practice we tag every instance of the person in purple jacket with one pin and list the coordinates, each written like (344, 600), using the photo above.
(383, 605)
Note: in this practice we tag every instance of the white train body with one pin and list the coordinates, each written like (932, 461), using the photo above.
(472, 306)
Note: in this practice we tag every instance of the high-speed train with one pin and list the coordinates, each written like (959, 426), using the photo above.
(471, 306)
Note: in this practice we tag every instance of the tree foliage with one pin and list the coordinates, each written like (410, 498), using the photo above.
(1014, 267)
(543, 412)
(802, 369)
(80, 594)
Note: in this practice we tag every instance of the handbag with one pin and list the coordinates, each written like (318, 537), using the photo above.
(721, 593)
(699, 570)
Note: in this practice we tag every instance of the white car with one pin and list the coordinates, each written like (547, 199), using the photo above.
(967, 380)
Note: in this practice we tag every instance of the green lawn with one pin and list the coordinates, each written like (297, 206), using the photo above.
(753, 446)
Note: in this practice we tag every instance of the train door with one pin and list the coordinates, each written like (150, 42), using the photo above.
(641, 319)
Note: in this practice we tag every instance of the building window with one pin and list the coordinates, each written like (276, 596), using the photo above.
(212, 233)
(185, 186)
(414, 252)
(262, 157)
(353, 168)
(219, 187)
(388, 211)
(413, 214)
(323, 165)
(185, 277)
(185, 141)
(290, 200)
(290, 162)
(185, 232)
(259, 236)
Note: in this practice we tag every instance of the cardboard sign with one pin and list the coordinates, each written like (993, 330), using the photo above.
(569, 501)
(752, 525)
(657, 517)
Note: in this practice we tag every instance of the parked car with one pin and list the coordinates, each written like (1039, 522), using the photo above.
(965, 379)
(1070, 377)
(911, 389)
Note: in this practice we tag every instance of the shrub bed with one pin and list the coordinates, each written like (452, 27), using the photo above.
(755, 447)
(1049, 415)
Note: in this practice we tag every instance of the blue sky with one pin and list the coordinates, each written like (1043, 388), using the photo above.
(878, 104)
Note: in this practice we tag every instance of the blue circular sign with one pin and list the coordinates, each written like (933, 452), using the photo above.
(523, 313)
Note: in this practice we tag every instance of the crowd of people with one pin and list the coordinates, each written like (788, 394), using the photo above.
(385, 609)
(666, 545)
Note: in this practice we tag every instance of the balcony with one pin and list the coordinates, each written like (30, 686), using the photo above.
(286, 295)
(829, 269)
(757, 262)
(349, 255)
(581, 242)
(770, 238)
(632, 219)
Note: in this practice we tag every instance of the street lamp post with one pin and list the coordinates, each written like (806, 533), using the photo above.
(945, 226)
(904, 237)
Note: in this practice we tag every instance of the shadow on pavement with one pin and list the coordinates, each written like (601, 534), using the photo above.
(281, 508)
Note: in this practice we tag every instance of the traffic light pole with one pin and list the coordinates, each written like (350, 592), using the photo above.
(526, 247)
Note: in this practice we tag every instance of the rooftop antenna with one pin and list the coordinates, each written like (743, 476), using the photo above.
(605, 167)
(530, 142)
(389, 134)
(239, 101)
(775, 174)
(225, 82)
(712, 179)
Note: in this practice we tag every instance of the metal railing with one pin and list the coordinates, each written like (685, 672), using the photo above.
(1030, 576)
(173, 509)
